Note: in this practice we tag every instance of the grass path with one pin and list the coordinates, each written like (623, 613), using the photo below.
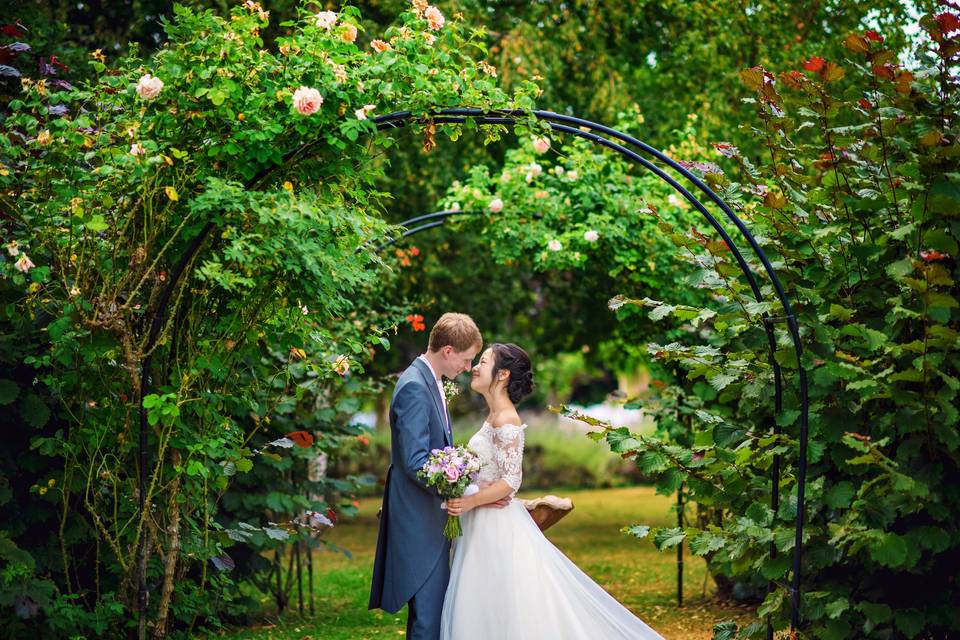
(638, 575)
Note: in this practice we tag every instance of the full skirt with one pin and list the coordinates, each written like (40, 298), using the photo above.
(508, 581)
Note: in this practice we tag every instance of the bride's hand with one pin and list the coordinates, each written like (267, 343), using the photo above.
(459, 506)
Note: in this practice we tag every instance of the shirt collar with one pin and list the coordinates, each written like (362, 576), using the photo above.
(423, 357)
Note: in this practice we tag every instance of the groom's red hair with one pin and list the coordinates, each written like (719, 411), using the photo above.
(457, 330)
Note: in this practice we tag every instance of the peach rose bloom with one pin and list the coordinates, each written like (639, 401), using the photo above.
(24, 264)
(44, 138)
(326, 19)
(149, 87)
(380, 46)
(362, 112)
(349, 34)
(307, 101)
(496, 205)
(554, 245)
(136, 149)
(434, 18)
(541, 145)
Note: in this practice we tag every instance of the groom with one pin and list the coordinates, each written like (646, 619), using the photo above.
(412, 565)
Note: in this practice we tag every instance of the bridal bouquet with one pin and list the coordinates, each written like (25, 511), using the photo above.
(450, 471)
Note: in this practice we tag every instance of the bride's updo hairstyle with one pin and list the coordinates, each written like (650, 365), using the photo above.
(510, 357)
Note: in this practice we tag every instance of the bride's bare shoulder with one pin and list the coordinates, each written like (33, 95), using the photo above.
(504, 418)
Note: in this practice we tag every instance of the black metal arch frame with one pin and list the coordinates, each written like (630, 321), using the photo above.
(625, 146)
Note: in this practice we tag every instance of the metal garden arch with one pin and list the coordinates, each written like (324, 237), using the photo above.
(631, 149)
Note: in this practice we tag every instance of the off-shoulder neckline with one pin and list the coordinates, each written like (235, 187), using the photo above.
(505, 424)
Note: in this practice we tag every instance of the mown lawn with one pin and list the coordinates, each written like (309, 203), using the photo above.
(633, 571)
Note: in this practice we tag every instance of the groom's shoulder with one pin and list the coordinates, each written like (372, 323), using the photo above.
(410, 376)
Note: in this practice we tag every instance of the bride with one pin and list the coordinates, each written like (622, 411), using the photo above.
(507, 579)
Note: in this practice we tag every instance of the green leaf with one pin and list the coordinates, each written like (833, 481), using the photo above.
(900, 269)
(8, 391)
(666, 538)
(775, 568)
(838, 606)
(244, 465)
(638, 530)
(706, 542)
(96, 224)
(875, 613)
(941, 241)
(909, 621)
(890, 550)
(34, 411)
(276, 534)
(840, 495)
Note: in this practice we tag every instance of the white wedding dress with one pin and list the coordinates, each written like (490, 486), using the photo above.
(508, 581)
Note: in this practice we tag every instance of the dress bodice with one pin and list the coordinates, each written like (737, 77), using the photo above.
(501, 451)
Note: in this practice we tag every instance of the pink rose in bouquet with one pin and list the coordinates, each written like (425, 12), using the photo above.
(450, 471)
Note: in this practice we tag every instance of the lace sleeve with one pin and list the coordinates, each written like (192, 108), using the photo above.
(508, 441)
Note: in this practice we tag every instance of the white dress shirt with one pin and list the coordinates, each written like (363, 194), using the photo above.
(443, 397)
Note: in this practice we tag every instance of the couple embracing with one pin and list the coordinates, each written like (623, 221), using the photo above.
(503, 579)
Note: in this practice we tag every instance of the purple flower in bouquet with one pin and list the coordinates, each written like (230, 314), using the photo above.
(450, 471)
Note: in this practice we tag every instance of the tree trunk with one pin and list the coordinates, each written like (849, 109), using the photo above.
(173, 552)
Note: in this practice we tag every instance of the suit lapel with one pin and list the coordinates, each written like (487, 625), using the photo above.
(437, 400)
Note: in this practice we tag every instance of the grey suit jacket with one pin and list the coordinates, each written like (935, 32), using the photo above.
(411, 540)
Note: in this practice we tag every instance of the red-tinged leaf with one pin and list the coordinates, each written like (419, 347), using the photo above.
(865, 104)
(948, 22)
(303, 439)
(726, 149)
(933, 256)
(814, 64)
(873, 35)
(752, 78)
(903, 82)
(14, 30)
(793, 79)
(856, 43)
(884, 71)
(832, 72)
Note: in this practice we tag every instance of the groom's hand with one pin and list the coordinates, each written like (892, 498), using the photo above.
(499, 504)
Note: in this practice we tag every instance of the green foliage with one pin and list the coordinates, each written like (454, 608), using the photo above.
(858, 212)
(106, 186)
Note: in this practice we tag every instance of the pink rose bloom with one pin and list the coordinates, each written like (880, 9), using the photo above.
(136, 149)
(326, 19)
(434, 18)
(307, 101)
(149, 87)
(541, 145)
(496, 205)
(430, 38)
(380, 46)
(572, 174)
(591, 236)
(362, 112)
(554, 245)
(349, 33)
(24, 264)
(452, 474)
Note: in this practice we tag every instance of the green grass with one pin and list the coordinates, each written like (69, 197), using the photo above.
(636, 573)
